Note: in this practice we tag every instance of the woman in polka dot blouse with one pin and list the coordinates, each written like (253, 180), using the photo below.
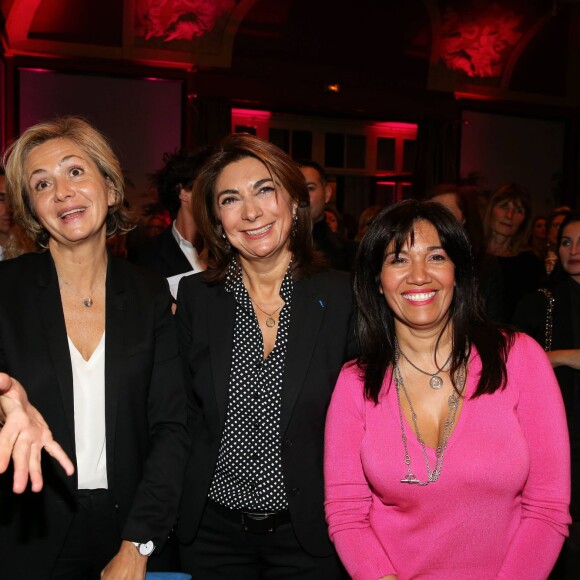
(263, 332)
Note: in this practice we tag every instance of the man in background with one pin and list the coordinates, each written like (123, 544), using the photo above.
(338, 251)
(178, 250)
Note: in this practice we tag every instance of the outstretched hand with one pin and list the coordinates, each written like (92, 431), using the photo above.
(23, 436)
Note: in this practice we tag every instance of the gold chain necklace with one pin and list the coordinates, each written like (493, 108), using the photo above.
(270, 321)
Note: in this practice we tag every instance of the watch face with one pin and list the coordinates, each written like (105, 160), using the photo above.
(146, 549)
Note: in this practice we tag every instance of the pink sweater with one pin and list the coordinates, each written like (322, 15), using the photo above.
(500, 506)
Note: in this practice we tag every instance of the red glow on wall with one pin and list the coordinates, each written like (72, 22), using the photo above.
(38, 70)
(472, 96)
(410, 128)
(254, 113)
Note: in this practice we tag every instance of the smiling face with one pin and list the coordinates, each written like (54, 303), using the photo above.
(67, 192)
(570, 250)
(418, 284)
(506, 217)
(255, 210)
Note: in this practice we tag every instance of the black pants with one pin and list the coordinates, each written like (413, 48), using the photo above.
(222, 549)
(92, 540)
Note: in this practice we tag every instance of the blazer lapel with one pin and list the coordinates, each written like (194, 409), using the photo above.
(52, 317)
(308, 309)
(221, 316)
(114, 341)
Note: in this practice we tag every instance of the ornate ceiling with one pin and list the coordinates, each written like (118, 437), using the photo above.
(498, 49)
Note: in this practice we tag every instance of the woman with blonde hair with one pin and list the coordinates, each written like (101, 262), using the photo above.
(92, 340)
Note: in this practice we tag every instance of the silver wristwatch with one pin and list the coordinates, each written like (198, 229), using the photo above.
(145, 549)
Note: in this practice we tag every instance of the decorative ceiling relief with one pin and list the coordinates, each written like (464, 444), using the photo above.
(479, 44)
(171, 20)
(199, 32)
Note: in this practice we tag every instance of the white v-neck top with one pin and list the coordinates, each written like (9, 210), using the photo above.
(89, 407)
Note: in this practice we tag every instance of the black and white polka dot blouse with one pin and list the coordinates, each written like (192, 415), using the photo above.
(248, 473)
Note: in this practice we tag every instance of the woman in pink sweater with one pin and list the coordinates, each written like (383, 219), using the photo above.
(446, 451)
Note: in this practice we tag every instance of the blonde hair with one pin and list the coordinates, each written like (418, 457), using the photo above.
(87, 138)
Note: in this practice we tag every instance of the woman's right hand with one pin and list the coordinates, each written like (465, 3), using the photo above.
(23, 435)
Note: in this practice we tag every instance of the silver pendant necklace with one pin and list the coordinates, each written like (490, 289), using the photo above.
(453, 403)
(270, 321)
(435, 381)
(86, 301)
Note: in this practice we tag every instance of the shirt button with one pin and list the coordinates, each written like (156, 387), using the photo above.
(288, 443)
(295, 491)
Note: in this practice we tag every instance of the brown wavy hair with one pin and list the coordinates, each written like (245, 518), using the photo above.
(285, 172)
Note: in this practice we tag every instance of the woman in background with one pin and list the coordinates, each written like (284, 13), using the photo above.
(553, 224)
(507, 224)
(445, 455)
(538, 237)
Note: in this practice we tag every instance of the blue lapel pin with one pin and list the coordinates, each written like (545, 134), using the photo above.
(321, 302)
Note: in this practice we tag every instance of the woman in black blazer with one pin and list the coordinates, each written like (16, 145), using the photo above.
(263, 334)
(92, 340)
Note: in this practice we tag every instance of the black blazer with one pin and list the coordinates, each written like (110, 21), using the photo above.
(146, 417)
(320, 340)
(163, 255)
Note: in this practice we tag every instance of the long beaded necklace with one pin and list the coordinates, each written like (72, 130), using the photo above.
(453, 403)
(436, 381)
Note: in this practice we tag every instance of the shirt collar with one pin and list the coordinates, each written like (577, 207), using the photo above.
(179, 238)
(235, 284)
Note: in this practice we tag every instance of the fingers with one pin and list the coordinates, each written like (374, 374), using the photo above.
(49, 444)
(21, 459)
(57, 452)
(22, 438)
(7, 440)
